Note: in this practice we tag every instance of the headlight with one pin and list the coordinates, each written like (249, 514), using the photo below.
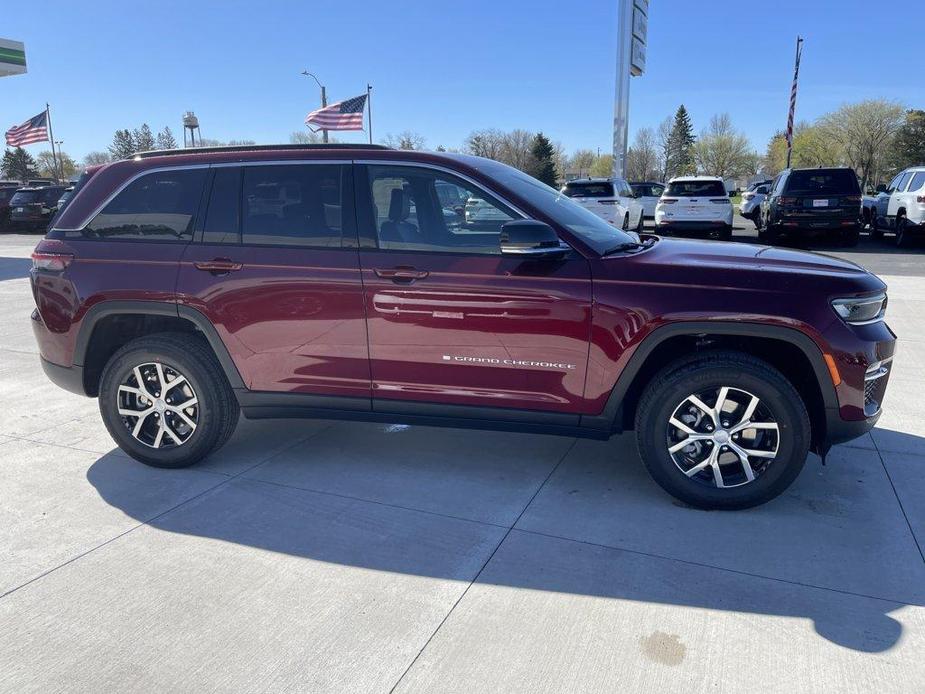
(861, 310)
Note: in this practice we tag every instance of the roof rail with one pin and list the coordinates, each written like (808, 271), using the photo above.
(250, 148)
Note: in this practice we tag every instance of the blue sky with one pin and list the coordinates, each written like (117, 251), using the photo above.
(443, 68)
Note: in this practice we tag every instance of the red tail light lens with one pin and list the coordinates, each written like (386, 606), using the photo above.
(51, 262)
(852, 200)
(788, 201)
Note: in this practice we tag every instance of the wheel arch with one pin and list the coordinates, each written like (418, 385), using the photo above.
(110, 324)
(789, 350)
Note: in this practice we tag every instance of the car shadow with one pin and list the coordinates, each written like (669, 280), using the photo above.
(14, 268)
(298, 521)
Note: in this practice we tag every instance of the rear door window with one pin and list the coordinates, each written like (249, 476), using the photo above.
(903, 180)
(918, 181)
(159, 206)
(294, 205)
(223, 214)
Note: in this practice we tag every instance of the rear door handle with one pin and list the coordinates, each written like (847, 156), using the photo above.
(218, 266)
(401, 274)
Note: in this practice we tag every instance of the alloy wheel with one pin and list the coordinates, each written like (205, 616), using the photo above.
(158, 405)
(723, 437)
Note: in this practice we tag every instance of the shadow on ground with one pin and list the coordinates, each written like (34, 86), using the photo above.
(390, 537)
(14, 268)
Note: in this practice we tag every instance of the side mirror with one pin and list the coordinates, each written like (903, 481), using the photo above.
(881, 188)
(528, 237)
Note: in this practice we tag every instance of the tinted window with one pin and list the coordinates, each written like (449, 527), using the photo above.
(822, 182)
(641, 189)
(6, 194)
(159, 206)
(657, 191)
(223, 214)
(589, 189)
(918, 181)
(296, 205)
(24, 197)
(903, 180)
(409, 213)
(694, 189)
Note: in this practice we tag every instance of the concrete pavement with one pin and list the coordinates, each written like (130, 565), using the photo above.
(327, 556)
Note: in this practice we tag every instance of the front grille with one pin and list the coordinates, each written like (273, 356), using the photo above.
(874, 388)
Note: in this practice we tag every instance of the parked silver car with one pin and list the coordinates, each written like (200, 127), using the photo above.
(750, 206)
(647, 193)
(900, 207)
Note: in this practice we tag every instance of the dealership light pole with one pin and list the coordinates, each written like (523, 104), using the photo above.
(324, 100)
(632, 28)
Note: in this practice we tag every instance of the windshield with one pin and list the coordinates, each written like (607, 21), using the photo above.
(586, 225)
(696, 189)
(823, 182)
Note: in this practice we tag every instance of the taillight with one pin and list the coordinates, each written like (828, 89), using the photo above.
(720, 201)
(852, 200)
(920, 199)
(51, 262)
(667, 201)
(788, 201)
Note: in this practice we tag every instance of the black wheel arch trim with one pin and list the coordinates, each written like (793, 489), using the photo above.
(155, 308)
(609, 417)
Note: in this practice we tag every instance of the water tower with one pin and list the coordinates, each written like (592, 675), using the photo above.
(191, 124)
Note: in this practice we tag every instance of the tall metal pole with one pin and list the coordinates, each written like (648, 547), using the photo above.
(51, 139)
(324, 102)
(793, 99)
(369, 111)
(622, 96)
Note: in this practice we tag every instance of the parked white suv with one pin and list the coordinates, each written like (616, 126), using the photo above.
(648, 193)
(750, 207)
(611, 199)
(900, 207)
(695, 203)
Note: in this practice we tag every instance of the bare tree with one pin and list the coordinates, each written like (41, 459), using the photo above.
(582, 161)
(642, 157)
(407, 139)
(307, 137)
(723, 151)
(488, 143)
(864, 130)
(516, 148)
(95, 158)
(663, 147)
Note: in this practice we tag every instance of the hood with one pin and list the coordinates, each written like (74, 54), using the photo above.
(742, 265)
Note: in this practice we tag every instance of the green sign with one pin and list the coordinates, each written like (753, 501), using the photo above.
(12, 57)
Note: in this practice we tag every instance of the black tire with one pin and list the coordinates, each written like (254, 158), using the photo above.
(216, 411)
(641, 226)
(756, 218)
(851, 237)
(875, 231)
(626, 222)
(765, 232)
(725, 234)
(903, 239)
(669, 389)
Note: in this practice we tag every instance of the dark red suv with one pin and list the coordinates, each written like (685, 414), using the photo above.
(184, 287)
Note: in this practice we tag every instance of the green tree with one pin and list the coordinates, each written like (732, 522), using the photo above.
(65, 167)
(123, 145)
(165, 139)
(18, 164)
(724, 151)
(863, 132)
(681, 145)
(909, 145)
(542, 164)
(582, 161)
(602, 166)
(144, 138)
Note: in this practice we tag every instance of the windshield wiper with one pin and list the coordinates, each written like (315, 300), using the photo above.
(625, 246)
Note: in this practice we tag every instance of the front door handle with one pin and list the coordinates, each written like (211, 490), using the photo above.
(218, 266)
(403, 273)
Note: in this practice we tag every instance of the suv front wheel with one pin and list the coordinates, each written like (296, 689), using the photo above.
(166, 401)
(725, 431)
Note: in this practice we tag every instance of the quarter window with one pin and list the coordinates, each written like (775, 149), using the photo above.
(159, 206)
(918, 181)
(417, 209)
(294, 205)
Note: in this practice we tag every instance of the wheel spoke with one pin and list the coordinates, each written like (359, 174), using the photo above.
(720, 403)
(187, 403)
(125, 412)
(161, 381)
(170, 432)
(743, 459)
(752, 452)
(140, 423)
(133, 391)
(687, 442)
(682, 426)
(717, 473)
(141, 381)
(175, 382)
(703, 406)
(160, 434)
(707, 462)
(182, 415)
(749, 410)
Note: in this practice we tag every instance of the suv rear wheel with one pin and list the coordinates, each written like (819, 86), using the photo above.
(902, 235)
(166, 401)
(725, 431)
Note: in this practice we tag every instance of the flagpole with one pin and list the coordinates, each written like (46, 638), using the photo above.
(51, 139)
(369, 110)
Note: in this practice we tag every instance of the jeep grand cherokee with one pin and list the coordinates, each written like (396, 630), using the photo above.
(183, 288)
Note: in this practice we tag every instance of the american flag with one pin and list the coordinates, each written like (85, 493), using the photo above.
(793, 94)
(344, 115)
(33, 130)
